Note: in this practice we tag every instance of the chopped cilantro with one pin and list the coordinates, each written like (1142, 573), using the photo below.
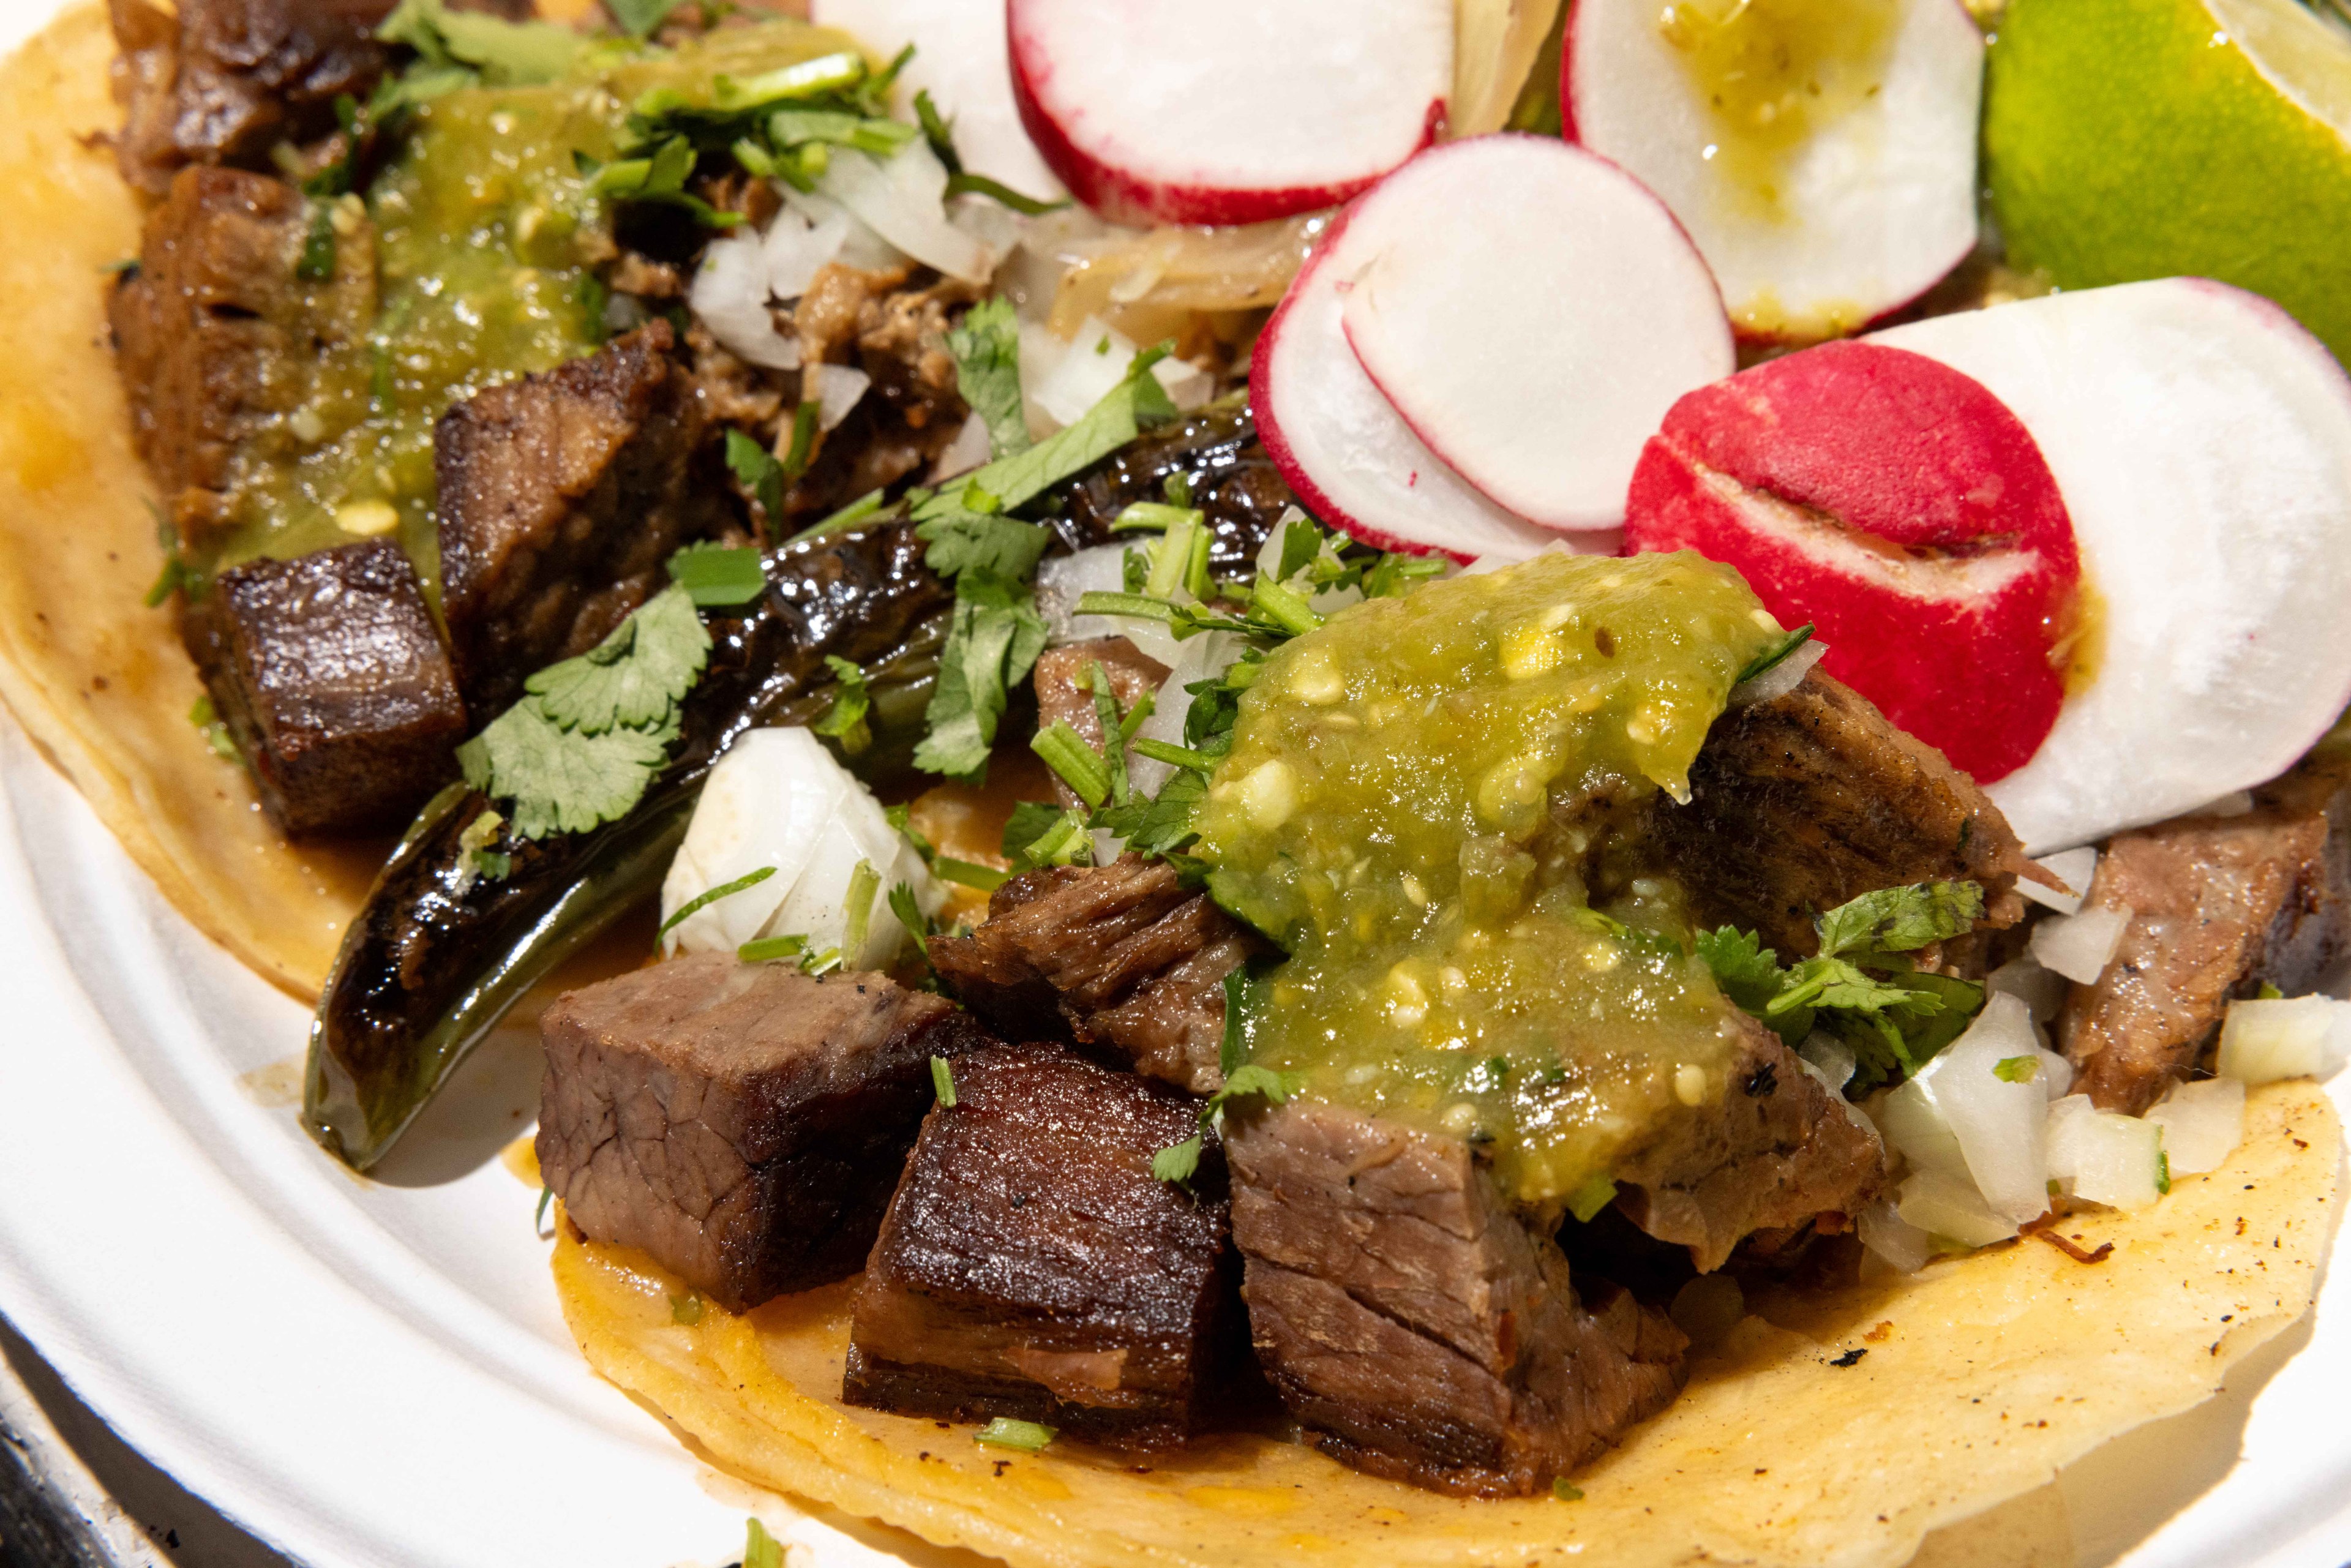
(803, 442)
(987, 348)
(2017, 1069)
(1590, 1198)
(756, 470)
(635, 676)
(476, 43)
(942, 1082)
(760, 1549)
(1560, 1489)
(1180, 1161)
(210, 726)
(1006, 1433)
(903, 904)
(1002, 194)
(993, 638)
(1773, 657)
(1902, 919)
(546, 1197)
(709, 896)
(765, 949)
(848, 516)
(845, 718)
(857, 909)
(640, 18)
(685, 1311)
(717, 577)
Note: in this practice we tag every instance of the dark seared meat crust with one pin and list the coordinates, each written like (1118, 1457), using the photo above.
(332, 678)
(1778, 1151)
(217, 338)
(1122, 959)
(741, 1123)
(2220, 906)
(1415, 1326)
(1031, 1266)
(1801, 804)
(560, 496)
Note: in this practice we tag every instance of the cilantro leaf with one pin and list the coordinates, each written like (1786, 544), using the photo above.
(1030, 821)
(640, 18)
(505, 53)
(963, 540)
(1137, 403)
(1901, 919)
(987, 348)
(1179, 1163)
(635, 676)
(1748, 972)
(757, 471)
(845, 719)
(561, 782)
(717, 577)
(993, 638)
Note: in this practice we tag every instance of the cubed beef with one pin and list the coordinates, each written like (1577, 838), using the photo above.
(561, 497)
(218, 340)
(2219, 906)
(1415, 1325)
(1031, 1266)
(222, 81)
(744, 1124)
(1778, 1151)
(333, 682)
(912, 411)
(1124, 959)
(1803, 802)
(1065, 692)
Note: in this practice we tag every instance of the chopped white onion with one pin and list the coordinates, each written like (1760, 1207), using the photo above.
(1994, 1120)
(1828, 1058)
(1063, 580)
(838, 388)
(2102, 1156)
(1065, 380)
(1326, 601)
(1107, 846)
(861, 248)
(968, 451)
(2202, 1124)
(1782, 677)
(1950, 1207)
(1203, 658)
(2080, 946)
(730, 296)
(2042, 991)
(796, 248)
(1893, 1238)
(777, 799)
(2264, 1039)
(2075, 868)
(903, 199)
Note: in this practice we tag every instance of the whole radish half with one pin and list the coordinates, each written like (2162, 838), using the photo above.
(1227, 111)
(1348, 454)
(1827, 171)
(1901, 509)
(960, 60)
(1532, 312)
(2202, 442)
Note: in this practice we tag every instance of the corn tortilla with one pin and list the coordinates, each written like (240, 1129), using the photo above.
(1982, 1377)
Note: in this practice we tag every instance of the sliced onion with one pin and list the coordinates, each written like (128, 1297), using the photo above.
(1203, 658)
(1893, 1238)
(1065, 380)
(1064, 579)
(2202, 1124)
(968, 451)
(2264, 1039)
(730, 296)
(796, 248)
(838, 388)
(1996, 1122)
(1950, 1207)
(778, 799)
(903, 199)
(2102, 1156)
(2042, 991)
(1828, 1059)
(2075, 868)
(1781, 678)
(2080, 946)
(861, 248)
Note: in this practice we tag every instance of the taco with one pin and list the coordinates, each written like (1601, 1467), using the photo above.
(1185, 1030)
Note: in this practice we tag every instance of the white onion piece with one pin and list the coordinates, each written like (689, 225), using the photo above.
(1063, 580)
(777, 799)
(1324, 601)
(2202, 1124)
(1951, 1208)
(2042, 991)
(2075, 868)
(1995, 1120)
(1201, 658)
(730, 296)
(968, 451)
(2264, 1039)
(901, 198)
(1893, 1238)
(861, 248)
(1828, 1058)
(838, 388)
(2080, 946)
(796, 249)
(1065, 380)
(2102, 1156)
(1782, 677)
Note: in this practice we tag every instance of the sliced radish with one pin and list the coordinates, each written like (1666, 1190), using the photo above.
(1901, 509)
(1533, 312)
(961, 61)
(1347, 453)
(1826, 169)
(1227, 111)
(2203, 442)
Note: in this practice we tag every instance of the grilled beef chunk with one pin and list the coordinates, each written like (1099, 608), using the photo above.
(2220, 906)
(1031, 1266)
(331, 678)
(561, 497)
(222, 81)
(1779, 1152)
(1232, 481)
(1065, 692)
(218, 339)
(742, 1123)
(896, 333)
(1803, 802)
(1121, 958)
(1416, 1327)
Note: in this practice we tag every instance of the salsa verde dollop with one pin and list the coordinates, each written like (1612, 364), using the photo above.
(1420, 798)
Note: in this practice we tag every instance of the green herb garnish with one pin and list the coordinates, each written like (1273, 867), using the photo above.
(1006, 1433)
(717, 577)
(845, 718)
(987, 348)
(942, 1082)
(709, 896)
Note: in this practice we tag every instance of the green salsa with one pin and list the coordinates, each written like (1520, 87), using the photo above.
(485, 241)
(1424, 802)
